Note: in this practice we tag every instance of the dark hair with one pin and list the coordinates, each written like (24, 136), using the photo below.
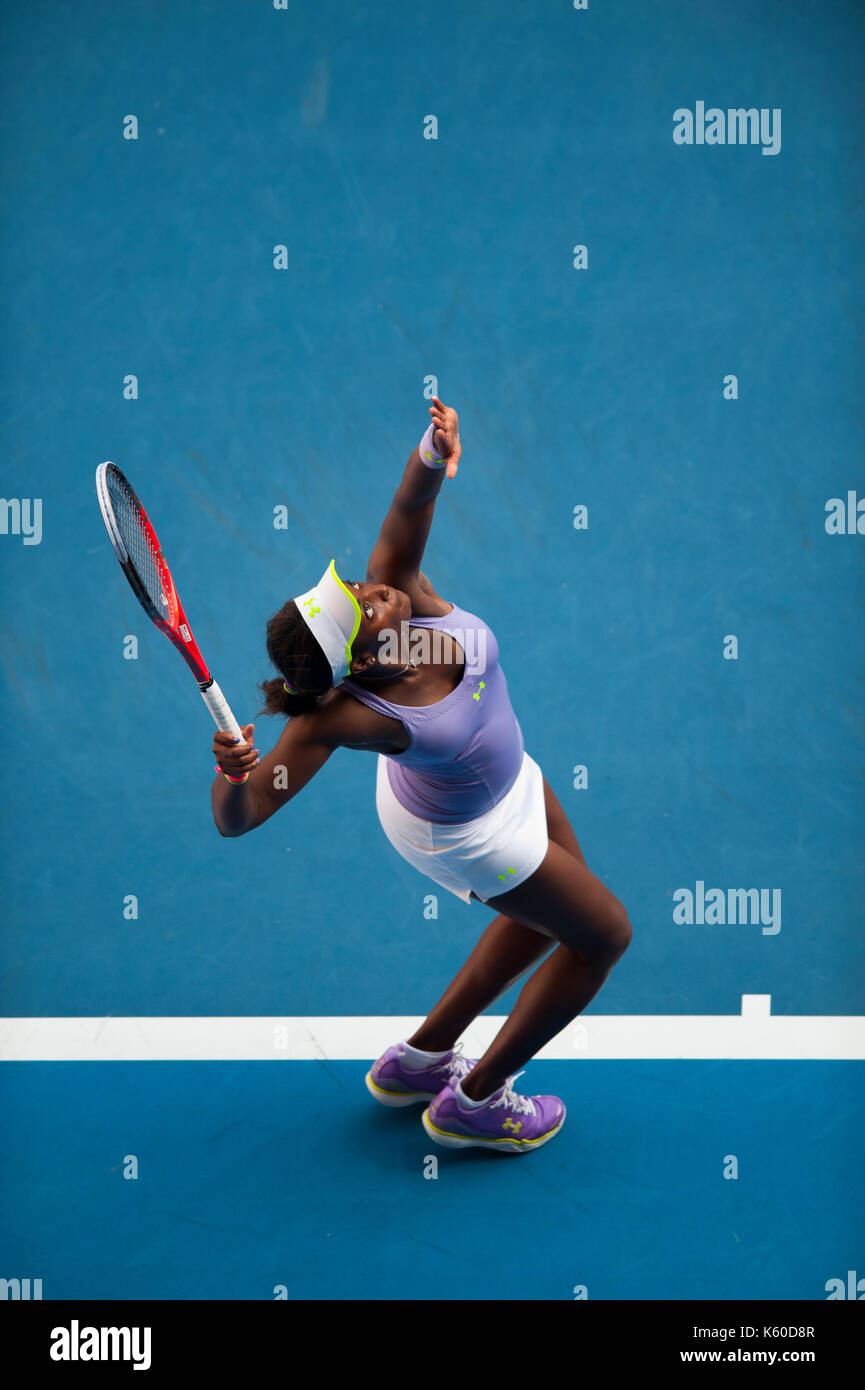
(295, 652)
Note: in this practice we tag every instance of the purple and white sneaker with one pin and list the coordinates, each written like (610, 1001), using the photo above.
(392, 1083)
(508, 1122)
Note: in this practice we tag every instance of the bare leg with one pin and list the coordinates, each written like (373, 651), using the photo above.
(558, 991)
(505, 952)
(564, 897)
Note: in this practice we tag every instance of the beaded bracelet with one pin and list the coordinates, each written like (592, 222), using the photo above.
(235, 781)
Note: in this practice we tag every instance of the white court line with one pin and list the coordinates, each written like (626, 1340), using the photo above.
(753, 1034)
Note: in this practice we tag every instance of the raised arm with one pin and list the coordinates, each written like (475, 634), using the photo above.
(397, 554)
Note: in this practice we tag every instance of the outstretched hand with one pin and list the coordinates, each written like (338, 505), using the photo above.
(446, 435)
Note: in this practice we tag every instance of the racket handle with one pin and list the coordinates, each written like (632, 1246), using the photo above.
(218, 706)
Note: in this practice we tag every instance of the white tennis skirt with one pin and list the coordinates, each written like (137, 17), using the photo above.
(486, 856)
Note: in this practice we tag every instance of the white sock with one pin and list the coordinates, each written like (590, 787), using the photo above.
(413, 1059)
(466, 1101)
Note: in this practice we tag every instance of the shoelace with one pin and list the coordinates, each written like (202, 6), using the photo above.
(456, 1067)
(509, 1098)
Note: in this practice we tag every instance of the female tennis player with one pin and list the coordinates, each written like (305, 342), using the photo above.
(387, 666)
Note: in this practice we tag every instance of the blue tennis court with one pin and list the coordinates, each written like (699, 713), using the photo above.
(238, 258)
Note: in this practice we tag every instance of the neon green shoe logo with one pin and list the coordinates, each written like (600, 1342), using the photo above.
(477, 694)
(514, 1125)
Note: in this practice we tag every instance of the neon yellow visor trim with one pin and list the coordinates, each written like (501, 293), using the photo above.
(332, 614)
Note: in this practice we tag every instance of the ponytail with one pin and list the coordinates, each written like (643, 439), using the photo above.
(293, 649)
(277, 699)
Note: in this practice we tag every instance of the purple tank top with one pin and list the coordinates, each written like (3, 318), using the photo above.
(466, 750)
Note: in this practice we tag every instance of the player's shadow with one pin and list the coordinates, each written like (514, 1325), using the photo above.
(383, 1127)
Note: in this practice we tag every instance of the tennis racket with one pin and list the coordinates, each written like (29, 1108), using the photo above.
(142, 561)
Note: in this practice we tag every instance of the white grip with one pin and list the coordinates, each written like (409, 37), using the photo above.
(218, 706)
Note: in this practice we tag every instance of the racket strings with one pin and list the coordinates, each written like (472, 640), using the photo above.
(146, 557)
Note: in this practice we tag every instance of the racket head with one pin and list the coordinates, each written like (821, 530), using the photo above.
(139, 553)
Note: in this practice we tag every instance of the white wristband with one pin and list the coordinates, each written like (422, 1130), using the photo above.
(427, 451)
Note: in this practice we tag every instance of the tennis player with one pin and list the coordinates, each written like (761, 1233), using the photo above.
(387, 666)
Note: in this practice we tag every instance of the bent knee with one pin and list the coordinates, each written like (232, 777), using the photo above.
(608, 938)
(617, 932)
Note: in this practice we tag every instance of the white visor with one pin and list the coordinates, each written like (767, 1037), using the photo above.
(332, 614)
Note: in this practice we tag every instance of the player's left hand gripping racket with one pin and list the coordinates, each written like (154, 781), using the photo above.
(142, 561)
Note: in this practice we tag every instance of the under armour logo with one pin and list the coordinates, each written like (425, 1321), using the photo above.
(307, 603)
(503, 876)
(512, 1124)
(477, 694)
